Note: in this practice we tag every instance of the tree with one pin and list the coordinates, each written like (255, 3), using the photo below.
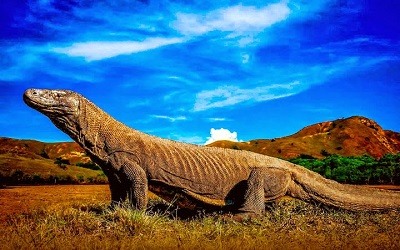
(355, 169)
(62, 163)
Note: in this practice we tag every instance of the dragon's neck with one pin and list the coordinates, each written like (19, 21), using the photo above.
(100, 134)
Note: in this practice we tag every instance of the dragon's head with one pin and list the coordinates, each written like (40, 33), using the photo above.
(61, 106)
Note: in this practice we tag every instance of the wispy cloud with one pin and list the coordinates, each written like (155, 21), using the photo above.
(218, 119)
(355, 44)
(231, 95)
(170, 118)
(237, 20)
(92, 51)
(28, 61)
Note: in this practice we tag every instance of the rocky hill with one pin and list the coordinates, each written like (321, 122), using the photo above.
(351, 136)
(33, 162)
(39, 150)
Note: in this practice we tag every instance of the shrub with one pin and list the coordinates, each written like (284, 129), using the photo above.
(66, 179)
(355, 170)
(325, 153)
(81, 178)
(44, 154)
(3, 180)
(89, 165)
(235, 147)
(306, 156)
(37, 179)
(90, 179)
(17, 176)
(62, 163)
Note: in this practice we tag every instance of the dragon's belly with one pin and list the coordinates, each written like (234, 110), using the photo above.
(182, 197)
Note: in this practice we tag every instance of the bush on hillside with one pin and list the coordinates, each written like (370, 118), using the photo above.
(62, 163)
(18, 177)
(89, 165)
(355, 170)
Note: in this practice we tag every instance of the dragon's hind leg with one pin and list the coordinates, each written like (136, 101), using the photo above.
(264, 184)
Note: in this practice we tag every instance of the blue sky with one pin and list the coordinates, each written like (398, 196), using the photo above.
(177, 69)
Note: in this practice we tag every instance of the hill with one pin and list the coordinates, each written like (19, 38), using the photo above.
(70, 151)
(34, 162)
(29, 161)
(353, 136)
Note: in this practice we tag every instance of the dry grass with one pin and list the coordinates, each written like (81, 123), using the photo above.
(288, 224)
(25, 199)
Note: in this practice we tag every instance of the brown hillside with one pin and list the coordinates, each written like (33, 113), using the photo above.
(352, 136)
(348, 137)
(38, 150)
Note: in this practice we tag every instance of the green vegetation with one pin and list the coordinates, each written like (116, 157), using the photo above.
(18, 177)
(62, 163)
(288, 224)
(355, 170)
(89, 165)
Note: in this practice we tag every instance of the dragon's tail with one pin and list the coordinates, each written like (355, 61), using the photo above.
(307, 185)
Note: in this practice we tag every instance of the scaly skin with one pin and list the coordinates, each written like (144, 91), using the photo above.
(192, 176)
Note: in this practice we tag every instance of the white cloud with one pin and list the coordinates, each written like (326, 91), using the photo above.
(93, 51)
(170, 118)
(231, 95)
(217, 119)
(221, 134)
(237, 19)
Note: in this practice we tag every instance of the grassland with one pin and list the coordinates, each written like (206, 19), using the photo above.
(15, 169)
(77, 217)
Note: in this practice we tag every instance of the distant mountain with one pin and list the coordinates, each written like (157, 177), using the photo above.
(70, 151)
(351, 136)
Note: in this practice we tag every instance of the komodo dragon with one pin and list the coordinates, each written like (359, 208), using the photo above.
(241, 181)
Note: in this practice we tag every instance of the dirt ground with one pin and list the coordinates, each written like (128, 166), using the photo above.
(25, 199)
(22, 199)
(388, 187)
(76, 217)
